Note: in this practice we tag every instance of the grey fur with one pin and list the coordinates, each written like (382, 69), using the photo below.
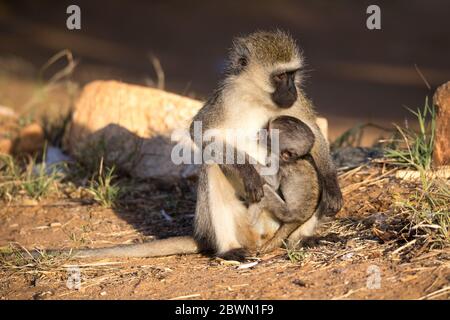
(203, 225)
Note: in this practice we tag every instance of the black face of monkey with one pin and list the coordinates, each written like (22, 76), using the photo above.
(285, 93)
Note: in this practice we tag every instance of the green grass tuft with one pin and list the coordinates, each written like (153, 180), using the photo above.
(428, 206)
(417, 147)
(296, 254)
(34, 180)
(104, 191)
(428, 209)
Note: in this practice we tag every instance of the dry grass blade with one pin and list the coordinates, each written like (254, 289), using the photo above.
(367, 182)
(422, 76)
(49, 85)
(65, 72)
(159, 71)
(195, 295)
(436, 293)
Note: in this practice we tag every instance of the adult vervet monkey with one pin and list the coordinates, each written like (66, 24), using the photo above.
(262, 81)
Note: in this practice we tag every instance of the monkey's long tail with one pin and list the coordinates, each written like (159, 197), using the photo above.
(156, 248)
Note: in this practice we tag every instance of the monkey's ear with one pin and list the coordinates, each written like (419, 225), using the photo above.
(239, 57)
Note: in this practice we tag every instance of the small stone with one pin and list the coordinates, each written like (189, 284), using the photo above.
(30, 140)
(347, 256)
(103, 293)
(42, 295)
(9, 129)
(248, 265)
(7, 112)
(299, 282)
(6, 146)
(30, 202)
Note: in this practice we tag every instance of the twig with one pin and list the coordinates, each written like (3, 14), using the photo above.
(351, 172)
(422, 76)
(412, 175)
(347, 294)
(94, 264)
(367, 182)
(165, 215)
(404, 246)
(186, 297)
(436, 293)
(159, 71)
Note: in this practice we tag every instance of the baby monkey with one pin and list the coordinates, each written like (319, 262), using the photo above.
(292, 195)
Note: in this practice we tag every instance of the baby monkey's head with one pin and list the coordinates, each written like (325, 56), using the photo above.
(295, 138)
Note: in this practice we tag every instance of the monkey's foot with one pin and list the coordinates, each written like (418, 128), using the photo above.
(238, 254)
(271, 245)
(333, 201)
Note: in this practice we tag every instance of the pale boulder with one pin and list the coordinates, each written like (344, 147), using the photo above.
(8, 129)
(31, 140)
(6, 146)
(18, 140)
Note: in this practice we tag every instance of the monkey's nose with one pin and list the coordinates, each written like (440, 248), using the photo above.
(293, 91)
(291, 87)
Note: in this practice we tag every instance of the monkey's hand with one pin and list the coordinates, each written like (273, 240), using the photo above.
(332, 200)
(253, 182)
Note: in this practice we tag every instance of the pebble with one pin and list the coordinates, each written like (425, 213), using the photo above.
(30, 202)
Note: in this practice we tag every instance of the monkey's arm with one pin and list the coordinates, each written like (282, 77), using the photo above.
(251, 179)
(253, 183)
(278, 207)
(331, 202)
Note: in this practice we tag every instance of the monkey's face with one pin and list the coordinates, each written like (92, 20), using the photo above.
(265, 66)
(289, 156)
(285, 89)
(295, 138)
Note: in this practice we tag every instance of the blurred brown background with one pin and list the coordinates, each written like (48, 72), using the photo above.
(355, 75)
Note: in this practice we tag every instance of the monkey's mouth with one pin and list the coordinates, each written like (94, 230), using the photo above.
(284, 99)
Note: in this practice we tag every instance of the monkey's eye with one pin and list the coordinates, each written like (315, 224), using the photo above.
(243, 61)
(280, 77)
(286, 155)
